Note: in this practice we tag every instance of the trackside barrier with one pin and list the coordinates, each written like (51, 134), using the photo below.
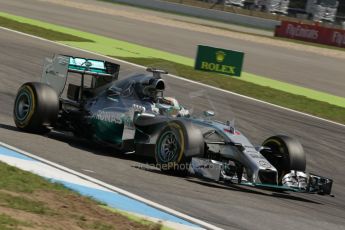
(218, 15)
(311, 33)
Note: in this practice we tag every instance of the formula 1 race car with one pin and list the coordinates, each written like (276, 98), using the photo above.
(132, 114)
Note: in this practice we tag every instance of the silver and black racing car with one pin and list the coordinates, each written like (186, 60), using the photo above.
(134, 115)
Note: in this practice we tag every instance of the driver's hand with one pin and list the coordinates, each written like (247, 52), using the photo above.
(155, 109)
(139, 108)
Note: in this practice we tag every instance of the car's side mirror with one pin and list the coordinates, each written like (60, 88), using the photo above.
(264, 149)
(209, 113)
(114, 91)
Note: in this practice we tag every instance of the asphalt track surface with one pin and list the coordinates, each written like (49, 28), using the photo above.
(297, 67)
(233, 207)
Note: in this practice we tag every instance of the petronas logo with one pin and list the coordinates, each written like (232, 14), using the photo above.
(220, 56)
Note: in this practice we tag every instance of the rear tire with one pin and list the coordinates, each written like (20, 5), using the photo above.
(36, 107)
(286, 154)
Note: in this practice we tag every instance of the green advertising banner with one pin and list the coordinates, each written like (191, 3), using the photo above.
(219, 60)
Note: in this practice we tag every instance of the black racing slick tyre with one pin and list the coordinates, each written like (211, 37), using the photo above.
(36, 107)
(170, 148)
(285, 154)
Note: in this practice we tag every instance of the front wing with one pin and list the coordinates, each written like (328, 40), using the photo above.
(311, 183)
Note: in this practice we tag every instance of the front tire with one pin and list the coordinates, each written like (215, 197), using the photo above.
(36, 107)
(285, 154)
(170, 148)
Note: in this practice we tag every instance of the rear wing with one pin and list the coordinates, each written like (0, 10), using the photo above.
(97, 67)
(56, 69)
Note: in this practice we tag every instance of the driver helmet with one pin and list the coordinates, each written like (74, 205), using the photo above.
(168, 106)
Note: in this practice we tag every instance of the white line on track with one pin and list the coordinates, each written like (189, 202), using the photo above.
(180, 78)
(114, 188)
(88, 170)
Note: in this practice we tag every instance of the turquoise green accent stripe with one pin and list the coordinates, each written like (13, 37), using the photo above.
(113, 47)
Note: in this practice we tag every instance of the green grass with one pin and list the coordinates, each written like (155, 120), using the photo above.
(96, 225)
(288, 100)
(23, 203)
(10, 223)
(153, 226)
(39, 31)
(18, 192)
(16, 180)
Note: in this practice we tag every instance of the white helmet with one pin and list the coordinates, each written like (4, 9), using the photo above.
(168, 106)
